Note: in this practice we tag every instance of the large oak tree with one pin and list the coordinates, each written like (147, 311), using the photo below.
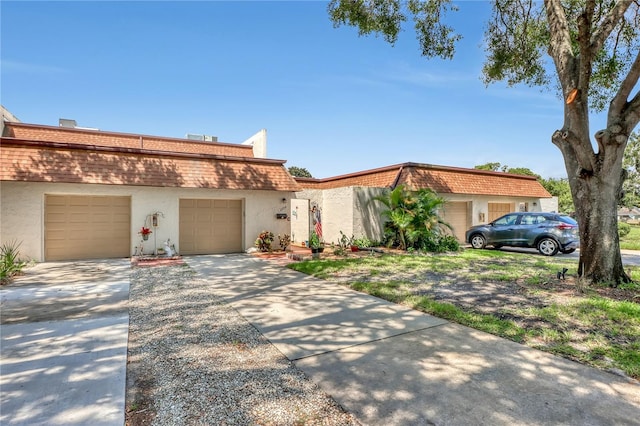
(589, 49)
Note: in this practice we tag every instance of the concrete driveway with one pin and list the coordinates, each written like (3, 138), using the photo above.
(64, 330)
(389, 365)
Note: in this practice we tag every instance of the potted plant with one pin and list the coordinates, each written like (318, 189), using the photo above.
(315, 244)
(145, 233)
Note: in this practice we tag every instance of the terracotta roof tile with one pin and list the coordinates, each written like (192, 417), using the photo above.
(42, 162)
(442, 179)
(122, 140)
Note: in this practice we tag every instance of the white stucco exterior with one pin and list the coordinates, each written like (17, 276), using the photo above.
(354, 211)
(259, 144)
(22, 210)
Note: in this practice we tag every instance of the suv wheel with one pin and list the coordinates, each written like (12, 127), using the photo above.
(478, 241)
(548, 247)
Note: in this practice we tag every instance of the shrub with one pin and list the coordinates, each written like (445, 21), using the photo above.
(623, 229)
(284, 241)
(363, 242)
(264, 240)
(449, 243)
(10, 264)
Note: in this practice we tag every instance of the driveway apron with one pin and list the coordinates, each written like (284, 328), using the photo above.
(64, 329)
(390, 365)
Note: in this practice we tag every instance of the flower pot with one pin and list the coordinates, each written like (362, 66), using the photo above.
(145, 237)
(354, 248)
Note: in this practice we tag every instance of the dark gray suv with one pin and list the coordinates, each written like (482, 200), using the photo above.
(548, 232)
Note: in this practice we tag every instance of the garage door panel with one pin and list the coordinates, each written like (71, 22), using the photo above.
(87, 227)
(210, 226)
(500, 209)
(456, 215)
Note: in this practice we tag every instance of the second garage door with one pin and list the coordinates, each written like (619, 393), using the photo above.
(456, 215)
(210, 226)
(86, 227)
(500, 209)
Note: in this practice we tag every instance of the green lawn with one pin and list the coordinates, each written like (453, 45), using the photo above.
(600, 327)
(631, 241)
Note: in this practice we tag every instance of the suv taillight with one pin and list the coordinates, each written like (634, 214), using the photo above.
(564, 226)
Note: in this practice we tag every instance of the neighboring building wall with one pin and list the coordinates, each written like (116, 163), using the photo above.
(22, 210)
(259, 144)
(549, 205)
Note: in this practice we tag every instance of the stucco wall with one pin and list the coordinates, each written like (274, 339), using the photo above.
(22, 210)
(353, 211)
(337, 213)
(367, 216)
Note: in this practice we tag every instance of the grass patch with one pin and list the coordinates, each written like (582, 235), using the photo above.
(588, 328)
(631, 241)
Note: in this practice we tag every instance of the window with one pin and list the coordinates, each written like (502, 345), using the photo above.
(507, 220)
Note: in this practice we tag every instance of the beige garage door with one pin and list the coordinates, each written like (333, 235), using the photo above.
(456, 215)
(498, 209)
(86, 227)
(210, 226)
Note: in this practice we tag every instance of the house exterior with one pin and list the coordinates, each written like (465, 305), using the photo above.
(70, 192)
(473, 197)
(629, 215)
(78, 193)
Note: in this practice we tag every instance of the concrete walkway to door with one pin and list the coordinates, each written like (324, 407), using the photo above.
(389, 365)
(64, 329)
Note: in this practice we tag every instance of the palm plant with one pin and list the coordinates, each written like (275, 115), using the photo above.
(399, 215)
(413, 217)
(427, 222)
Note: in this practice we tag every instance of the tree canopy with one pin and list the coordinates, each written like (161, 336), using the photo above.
(299, 172)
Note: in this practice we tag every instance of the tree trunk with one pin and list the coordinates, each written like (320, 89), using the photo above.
(596, 192)
(596, 213)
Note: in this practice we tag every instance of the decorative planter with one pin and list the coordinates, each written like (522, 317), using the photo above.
(354, 248)
(145, 237)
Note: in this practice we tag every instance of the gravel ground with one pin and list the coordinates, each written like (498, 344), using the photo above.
(193, 360)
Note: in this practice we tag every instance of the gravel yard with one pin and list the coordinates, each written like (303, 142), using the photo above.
(193, 360)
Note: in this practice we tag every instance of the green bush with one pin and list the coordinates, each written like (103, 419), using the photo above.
(449, 243)
(623, 229)
(10, 264)
(264, 240)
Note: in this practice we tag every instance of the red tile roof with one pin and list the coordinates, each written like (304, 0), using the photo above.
(36, 132)
(102, 159)
(442, 179)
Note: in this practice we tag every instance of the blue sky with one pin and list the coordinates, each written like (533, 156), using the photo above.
(331, 101)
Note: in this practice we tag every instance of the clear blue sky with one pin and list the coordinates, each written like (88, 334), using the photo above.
(331, 101)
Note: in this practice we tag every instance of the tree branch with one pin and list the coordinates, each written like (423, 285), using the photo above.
(619, 101)
(560, 44)
(567, 140)
(632, 114)
(608, 24)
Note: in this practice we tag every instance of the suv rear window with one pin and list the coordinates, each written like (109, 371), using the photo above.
(567, 219)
